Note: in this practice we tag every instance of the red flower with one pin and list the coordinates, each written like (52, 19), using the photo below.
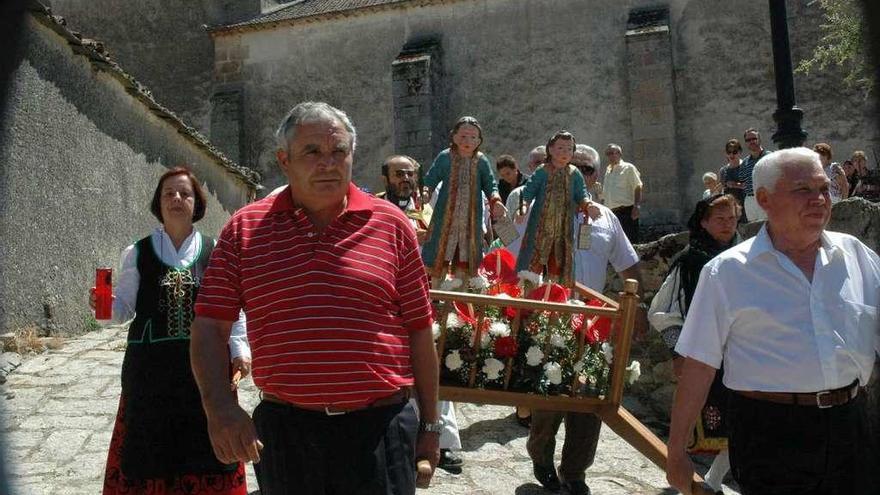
(511, 290)
(506, 347)
(490, 264)
(596, 328)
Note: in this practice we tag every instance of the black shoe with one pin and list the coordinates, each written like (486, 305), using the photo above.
(546, 475)
(450, 462)
(575, 488)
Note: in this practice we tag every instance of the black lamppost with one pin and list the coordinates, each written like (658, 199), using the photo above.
(787, 115)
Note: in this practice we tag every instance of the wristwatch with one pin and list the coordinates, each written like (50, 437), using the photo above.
(435, 427)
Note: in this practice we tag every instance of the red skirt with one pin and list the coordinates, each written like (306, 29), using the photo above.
(115, 483)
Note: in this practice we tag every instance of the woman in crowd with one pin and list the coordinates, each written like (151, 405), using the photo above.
(558, 190)
(712, 229)
(455, 234)
(160, 443)
(729, 175)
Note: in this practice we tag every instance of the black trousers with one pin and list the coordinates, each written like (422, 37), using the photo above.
(778, 449)
(630, 226)
(368, 452)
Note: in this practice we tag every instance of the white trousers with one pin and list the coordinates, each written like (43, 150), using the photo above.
(449, 438)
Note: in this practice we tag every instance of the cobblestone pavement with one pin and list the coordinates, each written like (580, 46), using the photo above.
(58, 411)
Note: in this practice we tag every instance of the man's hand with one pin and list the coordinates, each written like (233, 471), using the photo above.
(635, 212)
(233, 435)
(679, 471)
(421, 236)
(498, 210)
(428, 447)
(242, 367)
(593, 211)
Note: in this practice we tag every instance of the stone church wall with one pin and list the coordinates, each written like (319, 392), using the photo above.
(526, 68)
(81, 147)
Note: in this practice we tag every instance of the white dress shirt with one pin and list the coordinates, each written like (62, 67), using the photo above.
(608, 244)
(129, 280)
(778, 332)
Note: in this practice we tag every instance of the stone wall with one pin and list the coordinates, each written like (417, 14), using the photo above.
(526, 68)
(162, 43)
(82, 145)
(656, 384)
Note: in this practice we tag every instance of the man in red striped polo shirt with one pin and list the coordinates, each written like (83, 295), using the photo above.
(339, 322)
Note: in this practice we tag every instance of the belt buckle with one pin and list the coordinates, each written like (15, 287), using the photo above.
(328, 412)
(819, 399)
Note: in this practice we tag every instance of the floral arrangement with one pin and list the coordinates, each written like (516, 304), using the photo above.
(539, 352)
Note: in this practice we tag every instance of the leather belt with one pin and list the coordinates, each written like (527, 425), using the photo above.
(401, 395)
(822, 400)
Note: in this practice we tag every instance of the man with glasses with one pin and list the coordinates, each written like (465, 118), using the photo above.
(400, 176)
(623, 191)
(753, 141)
(399, 173)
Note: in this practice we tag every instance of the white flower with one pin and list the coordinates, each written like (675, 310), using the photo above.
(479, 282)
(453, 360)
(451, 284)
(608, 351)
(484, 339)
(553, 372)
(578, 366)
(534, 356)
(528, 276)
(492, 368)
(557, 340)
(499, 329)
(633, 372)
(577, 302)
(435, 330)
(452, 321)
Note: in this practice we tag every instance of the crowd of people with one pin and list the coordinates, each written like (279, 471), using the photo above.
(320, 292)
(735, 177)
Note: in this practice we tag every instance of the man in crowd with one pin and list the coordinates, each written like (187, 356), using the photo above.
(339, 323)
(509, 176)
(400, 176)
(399, 173)
(589, 158)
(623, 191)
(756, 152)
(792, 313)
(608, 244)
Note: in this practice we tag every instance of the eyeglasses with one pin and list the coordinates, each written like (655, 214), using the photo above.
(400, 174)
(749, 140)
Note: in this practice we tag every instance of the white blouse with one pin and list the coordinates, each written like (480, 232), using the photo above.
(129, 280)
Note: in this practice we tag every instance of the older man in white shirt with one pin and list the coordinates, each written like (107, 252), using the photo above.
(793, 315)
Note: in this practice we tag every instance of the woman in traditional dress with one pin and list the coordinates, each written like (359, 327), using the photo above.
(712, 230)
(160, 443)
(455, 234)
(559, 191)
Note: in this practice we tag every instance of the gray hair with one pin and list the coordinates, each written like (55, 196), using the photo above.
(591, 153)
(311, 112)
(769, 169)
(710, 175)
(612, 146)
